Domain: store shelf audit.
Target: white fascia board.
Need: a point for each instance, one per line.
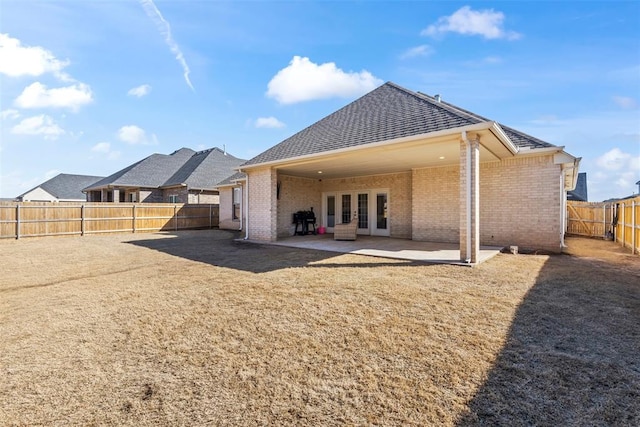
(503, 138)
(491, 126)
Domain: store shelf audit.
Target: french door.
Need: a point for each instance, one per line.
(371, 207)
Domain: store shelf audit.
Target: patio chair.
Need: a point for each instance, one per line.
(346, 231)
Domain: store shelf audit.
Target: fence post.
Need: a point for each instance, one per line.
(210, 216)
(17, 222)
(623, 226)
(82, 225)
(633, 226)
(133, 227)
(175, 216)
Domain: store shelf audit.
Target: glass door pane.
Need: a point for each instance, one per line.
(381, 211)
(363, 210)
(346, 208)
(331, 211)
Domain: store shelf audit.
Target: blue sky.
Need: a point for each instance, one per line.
(89, 87)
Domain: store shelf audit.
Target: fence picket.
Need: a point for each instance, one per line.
(591, 219)
(28, 219)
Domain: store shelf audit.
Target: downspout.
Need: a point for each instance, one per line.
(468, 201)
(563, 192)
(563, 210)
(246, 198)
(241, 206)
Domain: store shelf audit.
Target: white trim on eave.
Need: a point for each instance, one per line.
(491, 126)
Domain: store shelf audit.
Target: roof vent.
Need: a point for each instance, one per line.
(438, 98)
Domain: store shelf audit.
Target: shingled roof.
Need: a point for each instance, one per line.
(580, 192)
(386, 113)
(197, 170)
(205, 169)
(66, 186)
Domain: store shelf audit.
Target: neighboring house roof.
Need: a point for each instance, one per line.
(65, 186)
(205, 169)
(386, 113)
(151, 172)
(233, 179)
(580, 192)
(196, 170)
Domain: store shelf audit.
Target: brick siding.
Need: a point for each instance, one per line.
(262, 204)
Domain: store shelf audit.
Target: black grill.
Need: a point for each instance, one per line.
(305, 222)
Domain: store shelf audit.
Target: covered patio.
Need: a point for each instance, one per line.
(386, 247)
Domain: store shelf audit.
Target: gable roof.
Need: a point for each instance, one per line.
(205, 169)
(66, 186)
(196, 170)
(149, 172)
(386, 113)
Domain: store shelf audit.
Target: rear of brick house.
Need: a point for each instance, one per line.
(409, 166)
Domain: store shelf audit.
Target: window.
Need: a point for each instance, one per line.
(132, 197)
(237, 197)
(173, 198)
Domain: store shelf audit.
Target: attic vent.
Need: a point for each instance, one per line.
(438, 98)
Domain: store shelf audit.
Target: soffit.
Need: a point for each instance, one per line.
(393, 158)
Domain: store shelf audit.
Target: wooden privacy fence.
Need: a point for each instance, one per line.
(618, 220)
(30, 220)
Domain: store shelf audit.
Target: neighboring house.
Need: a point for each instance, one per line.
(580, 192)
(184, 176)
(410, 166)
(61, 188)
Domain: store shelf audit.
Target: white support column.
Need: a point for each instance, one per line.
(469, 198)
(475, 200)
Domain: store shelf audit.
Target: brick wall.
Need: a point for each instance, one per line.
(297, 194)
(520, 203)
(436, 207)
(181, 192)
(204, 197)
(262, 204)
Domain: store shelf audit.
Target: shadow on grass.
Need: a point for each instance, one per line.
(572, 356)
(220, 248)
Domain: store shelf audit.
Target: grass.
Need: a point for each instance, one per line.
(193, 328)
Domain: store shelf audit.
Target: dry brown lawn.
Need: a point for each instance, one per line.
(193, 328)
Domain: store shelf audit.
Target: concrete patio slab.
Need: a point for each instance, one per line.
(386, 247)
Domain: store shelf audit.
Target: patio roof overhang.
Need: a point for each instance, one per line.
(433, 149)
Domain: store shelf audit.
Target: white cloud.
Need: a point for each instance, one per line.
(17, 60)
(422, 50)
(38, 125)
(37, 95)
(9, 114)
(303, 80)
(616, 174)
(492, 60)
(614, 160)
(135, 135)
(486, 23)
(139, 91)
(105, 148)
(101, 147)
(165, 29)
(268, 122)
(625, 102)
